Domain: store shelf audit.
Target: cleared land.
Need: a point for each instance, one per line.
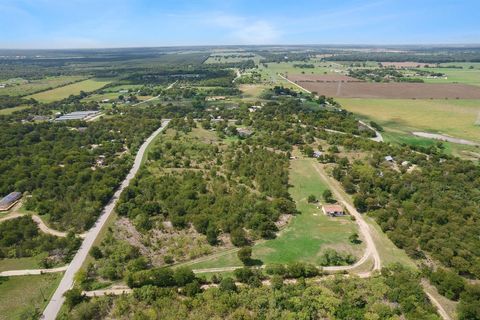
(21, 87)
(307, 235)
(456, 118)
(12, 110)
(392, 90)
(65, 91)
(26, 295)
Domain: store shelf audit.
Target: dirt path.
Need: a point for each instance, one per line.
(41, 225)
(170, 86)
(29, 272)
(371, 249)
(441, 137)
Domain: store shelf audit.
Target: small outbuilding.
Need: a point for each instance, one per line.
(333, 210)
(389, 159)
(9, 200)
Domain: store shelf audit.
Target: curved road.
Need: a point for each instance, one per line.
(53, 307)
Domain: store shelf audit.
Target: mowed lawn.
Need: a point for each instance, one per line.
(22, 263)
(457, 118)
(307, 235)
(22, 294)
(64, 92)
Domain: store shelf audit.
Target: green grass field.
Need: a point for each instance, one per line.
(12, 110)
(22, 263)
(64, 92)
(25, 295)
(307, 235)
(465, 75)
(22, 87)
(452, 117)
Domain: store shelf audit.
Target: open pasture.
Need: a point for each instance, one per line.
(457, 118)
(65, 91)
(21, 87)
(21, 297)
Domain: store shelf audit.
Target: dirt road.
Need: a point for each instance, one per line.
(170, 86)
(53, 307)
(29, 272)
(371, 249)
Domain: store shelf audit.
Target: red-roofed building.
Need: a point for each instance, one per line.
(333, 210)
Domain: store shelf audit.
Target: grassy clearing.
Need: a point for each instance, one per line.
(452, 117)
(26, 294)
(64, 92)
(12, 110)
(22, 263)
(389, 253)
(307, 235)
(465, 75)
(21, 87)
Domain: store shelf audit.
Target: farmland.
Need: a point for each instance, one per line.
(65, 91)
(457, 118)
(21, 87)
(368, 90)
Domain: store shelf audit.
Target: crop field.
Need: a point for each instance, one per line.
(24, 295)
(392, 90)
(308, 234)
(66, 91)
(458, 118)
(21, 87)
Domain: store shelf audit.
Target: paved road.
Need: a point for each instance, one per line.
(53, 307)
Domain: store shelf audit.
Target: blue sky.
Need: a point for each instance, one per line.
(128, 23)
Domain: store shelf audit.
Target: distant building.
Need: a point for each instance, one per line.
(215, 98)
(78, 115)
(2, 85)
(317, 154)
(9, 200)
(389, 159)
(333, 210)
(254, 108)
(105, 100)
(244, 132)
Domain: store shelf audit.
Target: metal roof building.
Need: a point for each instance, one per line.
(9, 200)
(78, 115)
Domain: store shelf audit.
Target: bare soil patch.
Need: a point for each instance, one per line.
(392, 90)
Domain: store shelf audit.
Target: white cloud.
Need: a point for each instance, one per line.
(245, 30)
